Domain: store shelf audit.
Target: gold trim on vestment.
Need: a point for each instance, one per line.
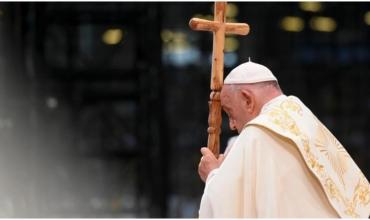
(329, 161)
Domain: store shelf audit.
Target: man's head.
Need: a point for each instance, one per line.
(246, 89)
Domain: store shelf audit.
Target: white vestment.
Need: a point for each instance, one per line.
(285, 163)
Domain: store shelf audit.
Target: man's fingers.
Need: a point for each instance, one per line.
(208, 162)
(221, 158)
(205, 151)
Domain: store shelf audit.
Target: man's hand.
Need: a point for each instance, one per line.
(208, 162)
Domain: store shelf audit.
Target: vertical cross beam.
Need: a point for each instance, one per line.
(219, 29)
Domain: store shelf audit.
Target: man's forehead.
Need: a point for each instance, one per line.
(228, 89)
(225, 94)
(224, 91)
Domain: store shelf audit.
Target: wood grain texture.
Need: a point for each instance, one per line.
(219, 29)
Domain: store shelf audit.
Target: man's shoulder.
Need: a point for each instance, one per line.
(253, 136)
(255, 131)
(258, 142)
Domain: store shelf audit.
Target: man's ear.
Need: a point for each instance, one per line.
(248, 99)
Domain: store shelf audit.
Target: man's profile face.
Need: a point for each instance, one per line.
(231, 102)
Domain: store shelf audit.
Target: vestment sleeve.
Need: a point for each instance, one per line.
(231, 192)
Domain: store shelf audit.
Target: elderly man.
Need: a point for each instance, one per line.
(285, 162)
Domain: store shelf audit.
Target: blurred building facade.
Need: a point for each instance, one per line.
(104, 105)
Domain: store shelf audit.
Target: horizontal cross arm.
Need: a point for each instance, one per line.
(203, 25)
(237, 28)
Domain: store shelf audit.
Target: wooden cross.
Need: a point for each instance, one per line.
(219, 29)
